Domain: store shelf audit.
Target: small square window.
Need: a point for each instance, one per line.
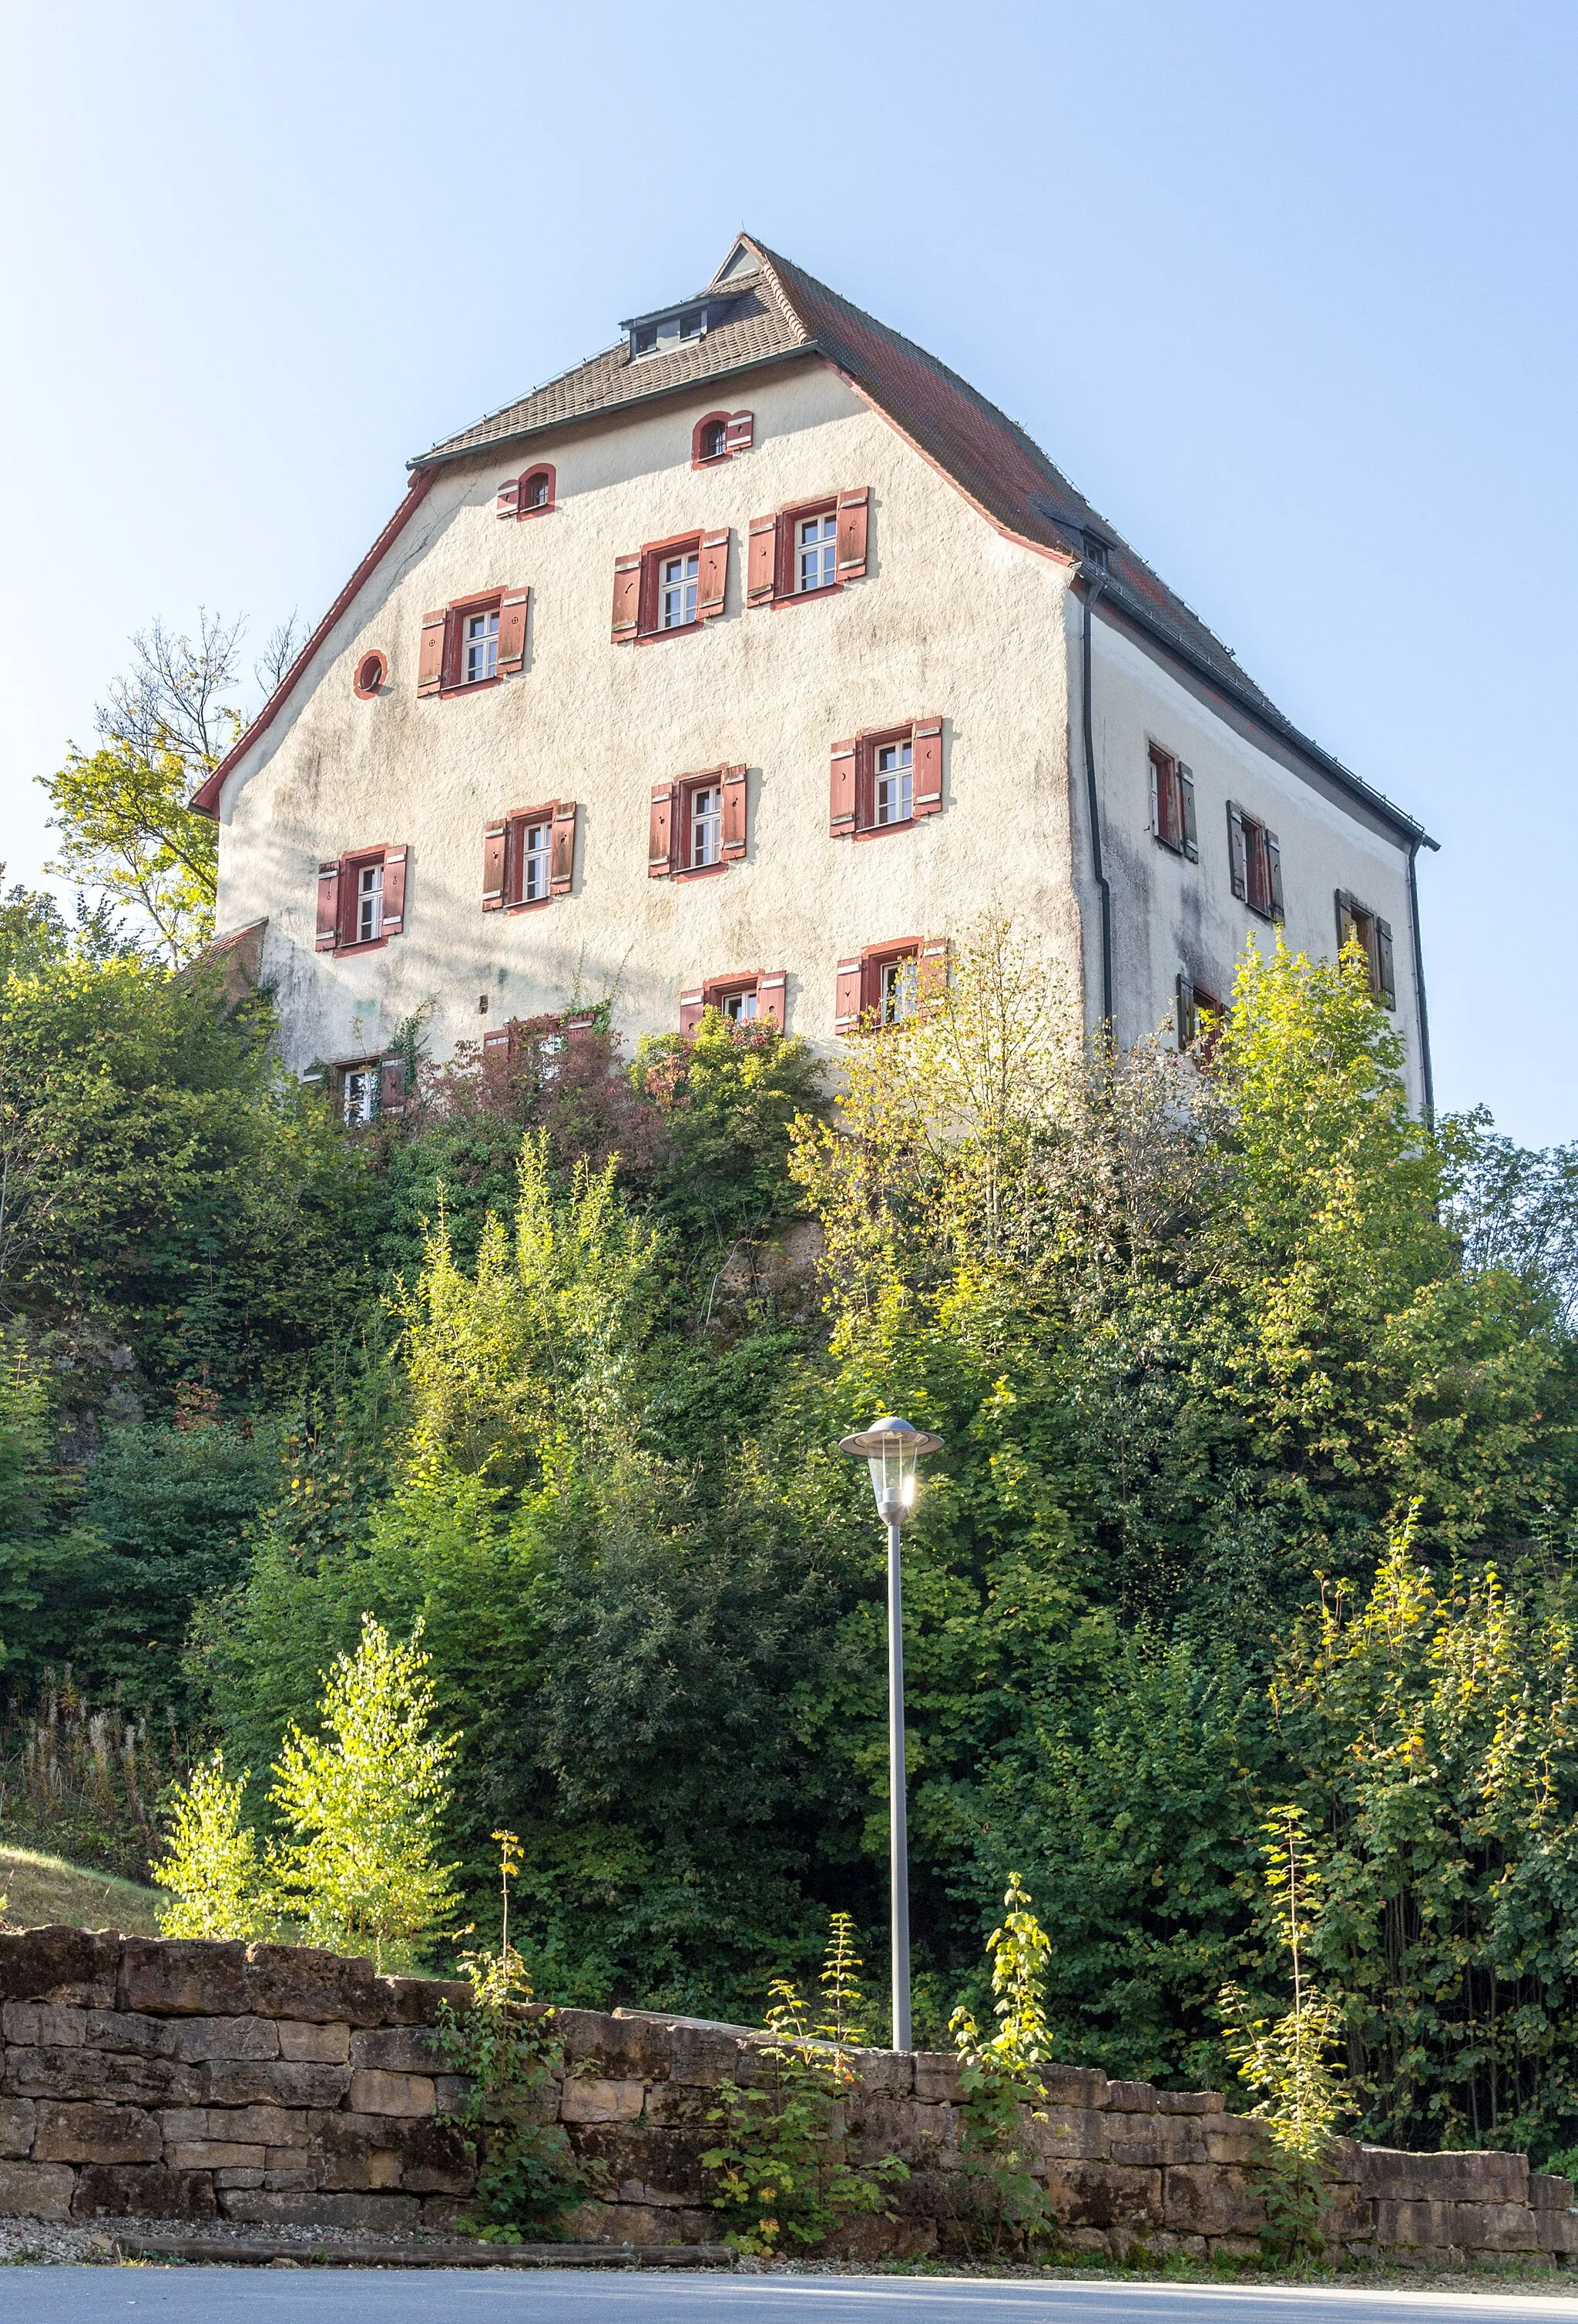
(479, 647)
(369, 903)
(536, 858)
(893, 787)
(677, 587)
(359, 1093)
(538, 490)
(740, 1007)
(815, 552)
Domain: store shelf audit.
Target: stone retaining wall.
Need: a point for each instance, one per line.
(272, 2086)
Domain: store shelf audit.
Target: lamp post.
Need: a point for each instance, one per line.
(891, 1448)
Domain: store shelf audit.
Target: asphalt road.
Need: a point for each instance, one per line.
(209, 2295)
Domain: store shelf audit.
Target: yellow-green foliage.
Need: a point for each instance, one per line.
(210, 1869)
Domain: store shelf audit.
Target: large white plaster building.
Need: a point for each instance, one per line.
(741, 663)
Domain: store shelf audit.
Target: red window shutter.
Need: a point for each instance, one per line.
(851, 535)
(391, 1085)
(1385, 973)
(762, 571)
(849, 999)
(497, 1044)
(431, 662)
(627, 598)
(561, 861)
(328, 906)
(741, 431)
(508, 502)
(926, 756)
(660, 833)
(931, 978)
(841, 797)
(1274, 875)
(772, 998)
(495, 839)
(512, 629)
(712, 575)
(734, 811)
(394, 866)
(691, 1005)
(1238, 855)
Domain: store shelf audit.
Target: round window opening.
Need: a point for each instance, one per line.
(371, 673)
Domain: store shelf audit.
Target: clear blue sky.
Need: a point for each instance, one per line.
(1287, 291)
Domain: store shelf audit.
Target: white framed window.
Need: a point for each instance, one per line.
(538, 490)
(894, 794)
(815, 552)
(479, 642)
(535, 852)
(369, 903)
(359, 1096)
(898, 989)
(706, 823)
(676, 584)
(740, 1008)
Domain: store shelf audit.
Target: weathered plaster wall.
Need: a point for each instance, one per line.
(272, 2086)
(953, 619)
(1169, 913)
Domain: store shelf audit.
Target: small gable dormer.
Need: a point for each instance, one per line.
(666, 329)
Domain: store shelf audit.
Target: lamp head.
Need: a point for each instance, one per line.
(890, 1449)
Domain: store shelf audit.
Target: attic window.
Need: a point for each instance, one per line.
(656, 332)
(644, 339)
(1095, 551)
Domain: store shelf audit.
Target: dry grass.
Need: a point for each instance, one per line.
(38, 1888)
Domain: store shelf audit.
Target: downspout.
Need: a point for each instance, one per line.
(1093, 590)
(1419, 988)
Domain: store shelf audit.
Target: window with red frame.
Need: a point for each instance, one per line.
(528, 857)
(529, 494)
(809, 551)
(719, 436)
(887, 983)
(696, 823)
(473, 642)
(1172, 804)
(1197, 1016)
(1357, 924)
(1254, 864)
(886, 779)
(670, 587)
(759, 998)
(361, 898)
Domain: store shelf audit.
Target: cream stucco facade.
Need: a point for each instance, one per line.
(958, 616)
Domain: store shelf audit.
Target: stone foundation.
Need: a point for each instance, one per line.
(269, 2085)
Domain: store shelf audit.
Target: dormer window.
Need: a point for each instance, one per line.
(712, 441)
(643, 339)
(653, 335)
(692, 326)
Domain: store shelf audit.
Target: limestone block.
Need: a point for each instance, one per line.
(238, 2178)
(936, 2075)
(196, 1978)
(1189, 2102)
(595, 2102)
(111, 2190)
(1103, 2195)
(1556, 2231)
(660, 2166)
(258, 2126)
(1073, 2085)
(295, 2173)
(434, 2160)
(1495, 2227)
(400, 2093)
(673, 2105)
(236, 2082)
(1413, 2222)
(414, 2000)
(1465, 2178)
(1066, 2134)
(303, 2044)
(1211, 2198)
(1547, 2192)
(637, 2223)
(1131, 2097)
(265, 2207)
(17, 2125)
(211, 2154)
(44, 2025)
(1155, 2138)
(398, 2049)
(452, 2092)
(96, 2133)
(626, 2048)
(354, 2151)
(898, 2126)
(199, 2039)
(1232, 2138)
(111, 2077)
(184, 2123)
(57, 1964)
(886, 2073)
(37, 2190)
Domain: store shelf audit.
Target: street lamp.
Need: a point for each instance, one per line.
(891, 1448)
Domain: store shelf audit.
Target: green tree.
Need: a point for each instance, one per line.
(365, 1801)
(210, 1866)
